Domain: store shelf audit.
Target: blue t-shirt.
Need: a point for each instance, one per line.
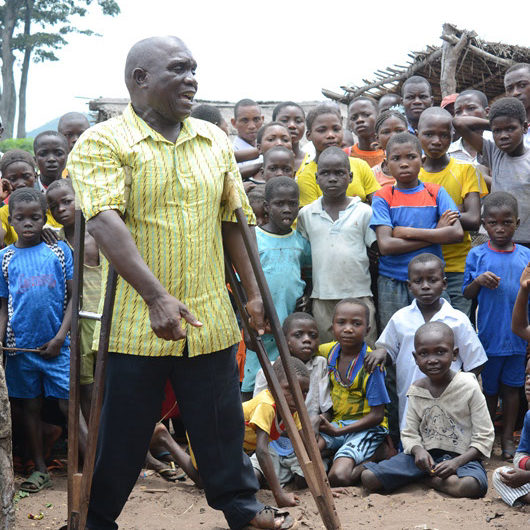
(419, 207)
(524, 442)
(495, 306)
(33, 280)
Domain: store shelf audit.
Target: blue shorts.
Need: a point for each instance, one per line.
(28, 375)
(359, 446)
(401, 470)
(506, 369)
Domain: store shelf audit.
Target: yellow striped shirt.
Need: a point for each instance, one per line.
(173, 198)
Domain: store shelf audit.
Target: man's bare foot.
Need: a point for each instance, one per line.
(272, 518)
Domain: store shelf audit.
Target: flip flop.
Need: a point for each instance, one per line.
(36, 482)
(171, 475)
(270, 514)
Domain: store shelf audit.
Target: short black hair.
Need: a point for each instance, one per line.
(277, 149)
(499, 199)
(416, 80)
(482, 98)
(16, 155)
(256, 194)
(353, 301)
(509, 107)
(70, 116)
(370, 100)
(434, 325)
(333, 151)
(390, 113)
(283, 105)
(207, 113)
(60, 183)
(299, 367)
(27, 195)
(426, 257)
(244, 103)
(49, 133)
(293, 317)
(263, 128)
(324, 108)
(435, 111)
(518, 66)
(391, 95)
(279, 182)
(403, 138)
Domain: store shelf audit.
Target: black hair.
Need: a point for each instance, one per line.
(364, 98)
(391, 94)
(72, 115)
(256, 194)
(16, 155)
(499, 199)
(483, 99)
(416, 80)
(244, 103)
(27, 195)
(263, 128)
(60, 183)
(207, 113)
(279, 182)
(319, 110)
(283, 105)
(390, 113)
(509, 107)
(518, 66)
(49, 133)
(277, 149)
(426, 257)
(299, 367)
(353, 301)
(435, 111)
(403, 138)
(333, 151)
(434, 325)
(293, 317)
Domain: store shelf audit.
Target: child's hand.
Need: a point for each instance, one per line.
(424, 460)
(51, 349)
(6, 190)
(50, 236)
(448, 218)
(489, 280)
(373, 358)
(285, 499)
(515, 478)
(525, 278)
(446, 468)
(327, 428)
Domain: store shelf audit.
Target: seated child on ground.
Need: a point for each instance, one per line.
(36, 282)
(448, 429)
(285, 257)
(359, 424)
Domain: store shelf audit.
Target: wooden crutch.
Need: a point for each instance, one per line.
(305, 446)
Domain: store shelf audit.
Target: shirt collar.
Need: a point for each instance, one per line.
(442, 312)
(318, 205)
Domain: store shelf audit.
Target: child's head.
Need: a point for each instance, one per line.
(281, 202)
(334, 173)
(292, 116)
(301, 333)
(388, 101)
(72, 125)
(426, 278)
(508, 124)
(324, 126)
(362, 113)
(387, 124)
(347, 138)
(417, 96)
(247, 120)
(403, 158)
(435, 131)
(212, 114)
(272, 134)
(500, 217)
(51, 150)
(302, 374)
(61, 201)
(278, 161)
(434, 349)
(472, 103)
(351, 322)
(18, 168)
(256, 198)
(517, 83)
(27, 215)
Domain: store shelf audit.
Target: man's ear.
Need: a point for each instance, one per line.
(455, 354)
(140, 76)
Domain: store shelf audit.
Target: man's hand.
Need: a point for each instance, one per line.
(489, 280)
(52, 348)
(327, 428)
(525, 278)
(448, 218)
(374, 358)
(446, 468)
(423, 460)
(165, 314)
(256, 313)
(514, 477)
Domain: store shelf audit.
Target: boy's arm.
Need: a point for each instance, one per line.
(372, 419)
(471, 128)
(281, 497)
(520, 324)
(486, 279)
(470, 212)
(3, 319)
(448, 467)
(390, 243)
(441, 235)
(243, 155)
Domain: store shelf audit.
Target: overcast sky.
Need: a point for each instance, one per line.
(276, 50)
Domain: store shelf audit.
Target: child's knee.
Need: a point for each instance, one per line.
(467, 487)
(370, 481)
(340, 472)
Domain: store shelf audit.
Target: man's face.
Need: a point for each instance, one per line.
(517, 85)
(416, 98)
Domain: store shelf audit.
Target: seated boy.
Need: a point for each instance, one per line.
(448, 429)
(359, 424)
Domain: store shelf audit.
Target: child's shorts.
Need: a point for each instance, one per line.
(509, 495)
(29, 375)
(506, 369)
(401, 470)
(285, 467)
(88, 355)
(358, 446)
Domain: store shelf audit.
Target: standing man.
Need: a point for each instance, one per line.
(517, 85)
(155, 187)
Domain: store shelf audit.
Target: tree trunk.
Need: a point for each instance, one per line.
(21, 128)
(7, 483)
(450, 55)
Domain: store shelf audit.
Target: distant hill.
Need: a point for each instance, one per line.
(50, 126)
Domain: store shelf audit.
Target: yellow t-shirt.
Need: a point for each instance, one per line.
(458, 179)
(363, 182)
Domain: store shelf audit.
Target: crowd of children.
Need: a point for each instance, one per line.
(399, 266)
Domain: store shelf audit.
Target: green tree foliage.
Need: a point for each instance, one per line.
(17, 143)
(35, 29)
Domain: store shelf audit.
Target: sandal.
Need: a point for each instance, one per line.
(169, 474)
(270, 514)
(36, 482)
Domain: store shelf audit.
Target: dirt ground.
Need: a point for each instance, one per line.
(183, 506)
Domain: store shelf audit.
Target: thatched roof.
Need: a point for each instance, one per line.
(480, 65)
